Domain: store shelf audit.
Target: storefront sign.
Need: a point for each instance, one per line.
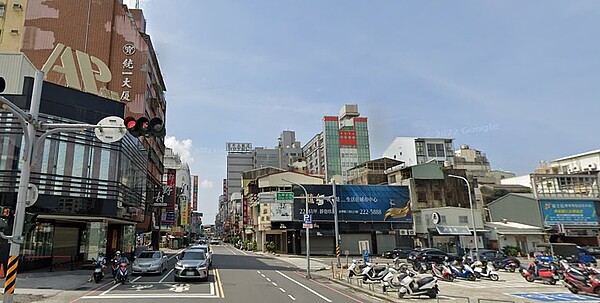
(569, 212)
(91, 70)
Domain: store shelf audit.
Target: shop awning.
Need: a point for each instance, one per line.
(453, 230)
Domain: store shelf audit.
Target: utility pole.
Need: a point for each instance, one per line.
(110, 129)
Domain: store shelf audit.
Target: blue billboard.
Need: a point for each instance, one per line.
(569, 212)
(365, 203)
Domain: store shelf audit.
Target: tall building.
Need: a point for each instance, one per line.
(175, 220)
(415, 150)
(100, 48)
(343, 144)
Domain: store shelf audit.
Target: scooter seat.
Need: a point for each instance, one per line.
(424, 281)
(379, 268)
(577, 276)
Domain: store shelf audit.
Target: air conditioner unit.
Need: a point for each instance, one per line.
(17, 6)
(14, 31)
(411, 232)
(592, 166)
(403, 232)
(575, 168)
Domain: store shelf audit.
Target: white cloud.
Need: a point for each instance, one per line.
(206, 184)
(182, 148)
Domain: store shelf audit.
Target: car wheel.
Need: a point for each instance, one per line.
(393, 256)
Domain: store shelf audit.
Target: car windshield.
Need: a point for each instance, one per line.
(149, 255)
(202, 248)
(193, 255)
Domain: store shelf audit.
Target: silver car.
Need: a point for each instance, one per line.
(149, 261)
(191, 264)
(206, 249)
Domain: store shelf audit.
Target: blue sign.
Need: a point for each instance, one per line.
(358, 203)
(568, 212)
(307, 219)
(374, 203)
(556, 297)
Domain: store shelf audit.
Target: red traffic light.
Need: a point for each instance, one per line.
(145, 127)
(4, 212)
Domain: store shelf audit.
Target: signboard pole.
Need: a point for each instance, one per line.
(307, 228)
(335, 219)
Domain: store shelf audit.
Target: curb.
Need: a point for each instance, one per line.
(365, 291)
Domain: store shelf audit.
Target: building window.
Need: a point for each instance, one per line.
(418, 219)
(437, 195)
(392, 179)
(420, 148)
(435, 150)
(463, 219)
(439, 148)
(422, 196)
(1, 11)
(430, 150)
(442, 219)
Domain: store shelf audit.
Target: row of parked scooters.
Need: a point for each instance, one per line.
(398, 277)
(577, 277)
(421, 277)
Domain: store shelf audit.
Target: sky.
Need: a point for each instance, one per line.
(517, 80)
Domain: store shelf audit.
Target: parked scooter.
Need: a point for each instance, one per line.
(421, 266)
(416, 285)
(463, 271)
(374, 273)
(485, 269)
(99, 266)
(508, 264)
(580, 281)
(536, 271)
(442, 271)
(356, 269)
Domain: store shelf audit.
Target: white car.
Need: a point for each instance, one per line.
(150, 261)
(206, 249)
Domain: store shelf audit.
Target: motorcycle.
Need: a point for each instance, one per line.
(442, 271)
(466, 272)
(98, 270)
(356, 269)
(508, 264)
(374, 273)
(577, 281)
(421, 266)
(409, 283)
(537, 272)
(486, 270)
(122, 273)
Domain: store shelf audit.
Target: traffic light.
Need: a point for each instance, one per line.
(143, 126)
(29, 223)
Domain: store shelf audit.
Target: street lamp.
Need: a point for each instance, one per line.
(333, 201)
(307, 229)
(472, 212)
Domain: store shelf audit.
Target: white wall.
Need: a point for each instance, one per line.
(524, 180)
(402, 149)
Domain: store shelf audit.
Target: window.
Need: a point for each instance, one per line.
(435, 150)
(420, 148)
(437, 195)
(430, 150)
(392, 179)
(442, 219)
(418, 219)
(439, 148)
(422, 196)
(463, 219)
(1, 10)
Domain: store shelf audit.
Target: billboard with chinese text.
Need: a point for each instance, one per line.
(569, 212)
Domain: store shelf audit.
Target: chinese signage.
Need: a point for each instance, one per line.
(170, 197)
(195, 194)
(281, 211)
(127, 72)
(245, 218)
(239, 147)
(378, 203)
(569, 212)
(285, 196)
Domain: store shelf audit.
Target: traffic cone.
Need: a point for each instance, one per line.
(1, 270)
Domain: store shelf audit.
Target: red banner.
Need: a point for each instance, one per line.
(171, 195)
(245, 211)
(195, 194)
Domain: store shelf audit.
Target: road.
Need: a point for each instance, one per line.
(236, 276)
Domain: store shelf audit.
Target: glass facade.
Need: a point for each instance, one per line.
(38, 242)
(94, 240)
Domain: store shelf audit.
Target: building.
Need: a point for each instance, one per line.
(477, 166)
(343, 144)
(71, 48)
(415, 150)
(372, 172)
(175, 220)
(91, 194)
(578, 163)
(565, 205)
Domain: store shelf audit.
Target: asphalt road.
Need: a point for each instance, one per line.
(236, 276)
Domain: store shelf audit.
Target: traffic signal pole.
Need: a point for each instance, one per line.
(30, 123)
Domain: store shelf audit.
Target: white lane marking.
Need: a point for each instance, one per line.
(292, 297)
(304, 286)
(268, 279)
(170, 271)
(231, 251)
(117, 285)
(274, 284)
(161, 296)
(258, 271)
(262, 275)
(282, 290)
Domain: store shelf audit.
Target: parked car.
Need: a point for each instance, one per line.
(191, 264)
(206, 249)
(401, 252)
(149, 261)
(432, 255)
(215, 241)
